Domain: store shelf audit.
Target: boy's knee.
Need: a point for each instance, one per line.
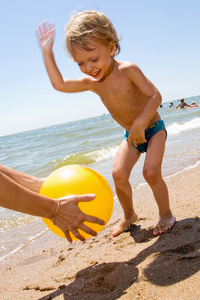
(119, 176)
(150, 176)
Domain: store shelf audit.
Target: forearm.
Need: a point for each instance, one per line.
(53, 71)
(27, 181)
(16, 197)
(149, 109)
(45, 34)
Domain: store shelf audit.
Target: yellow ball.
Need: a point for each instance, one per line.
(80, 180)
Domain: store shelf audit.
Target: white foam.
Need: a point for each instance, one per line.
(12, 252)
(177, 128)
(22, 246)
(104, 153)
(185, 169)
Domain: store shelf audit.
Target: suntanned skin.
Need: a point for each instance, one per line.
(20, 192)
(132, 100)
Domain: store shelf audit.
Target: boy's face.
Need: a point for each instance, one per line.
(98, 62)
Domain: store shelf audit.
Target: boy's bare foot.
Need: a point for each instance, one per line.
(165, 223)
(123, 225)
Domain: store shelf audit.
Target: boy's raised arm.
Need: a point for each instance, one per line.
(46, 33)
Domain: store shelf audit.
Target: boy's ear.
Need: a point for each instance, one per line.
(113, 48)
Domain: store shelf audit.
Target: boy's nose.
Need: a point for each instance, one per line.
(88, 68)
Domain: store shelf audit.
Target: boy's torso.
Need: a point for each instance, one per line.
(121, 97)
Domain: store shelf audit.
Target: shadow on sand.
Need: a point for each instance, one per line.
(175, 256)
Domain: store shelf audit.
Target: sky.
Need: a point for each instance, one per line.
(160, 36)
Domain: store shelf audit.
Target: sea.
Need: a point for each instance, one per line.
(92, 142)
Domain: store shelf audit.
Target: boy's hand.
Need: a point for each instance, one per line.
(136, 135)
(46, 32)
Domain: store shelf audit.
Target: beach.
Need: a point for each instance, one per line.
(37, 264)
(134, 265)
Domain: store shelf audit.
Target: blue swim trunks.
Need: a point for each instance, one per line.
(149, 132)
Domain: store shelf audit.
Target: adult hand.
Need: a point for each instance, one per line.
(46, 32)
(70, 218)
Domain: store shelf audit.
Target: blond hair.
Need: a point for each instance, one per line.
(90, 25)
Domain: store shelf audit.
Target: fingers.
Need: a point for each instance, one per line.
(136, 135)
(93, 219)
(79, 236)
(44, 28)
(74, 218)
(88, 230)
(85, 198)
(75, 233)
(130, 142)
(67, 235)
(51, 25)
(135, 141)
(79, 198)
(89, 218)
(85, 229)
(40, 30)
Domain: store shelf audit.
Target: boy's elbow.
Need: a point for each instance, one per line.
(56, 86)
(158, 97)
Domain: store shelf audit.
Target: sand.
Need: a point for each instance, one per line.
(134, 265)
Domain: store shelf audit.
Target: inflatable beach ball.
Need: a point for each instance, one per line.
(80, 180)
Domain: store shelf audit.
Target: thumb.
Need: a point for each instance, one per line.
(85, 198)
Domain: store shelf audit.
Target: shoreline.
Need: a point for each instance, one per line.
(39, 235)
(134, 265)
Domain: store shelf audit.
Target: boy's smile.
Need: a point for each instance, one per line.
(97, 62)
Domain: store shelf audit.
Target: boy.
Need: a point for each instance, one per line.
(129, 96)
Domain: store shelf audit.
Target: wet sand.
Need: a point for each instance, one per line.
(134, 265)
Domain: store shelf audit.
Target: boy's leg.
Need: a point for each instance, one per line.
(152, 174)
(124, 161)
(30, 182)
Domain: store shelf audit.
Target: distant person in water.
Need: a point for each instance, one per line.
(170, 105)
(193, 104)
(182, 104)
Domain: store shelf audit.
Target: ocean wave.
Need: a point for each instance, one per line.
(177, 128)
(23, 245)
(101, 154)
(87, 157)
(17, 221)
